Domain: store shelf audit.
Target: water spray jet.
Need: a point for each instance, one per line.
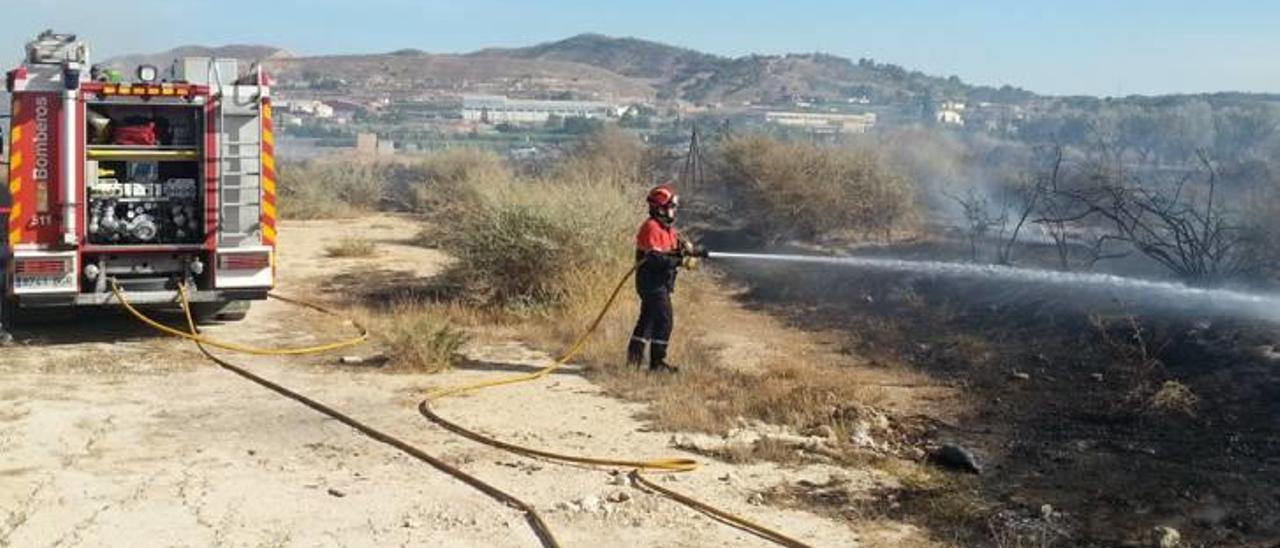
(1238, 303)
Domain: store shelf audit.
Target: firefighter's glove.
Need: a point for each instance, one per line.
(687, 249)
(689, 262)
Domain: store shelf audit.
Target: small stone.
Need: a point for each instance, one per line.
(727, 477)
(590, 504)
(1046, 511)
(336, 493)
(1166, 537)
(409, 524)
(252, 452)
(618, 496)
(1021, 376)
(563, 506)
(957, 458)
(618, 478)
(756, 499)
(351, 360)
(1097, 377)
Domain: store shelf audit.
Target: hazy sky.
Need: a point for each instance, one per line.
(1098, 47)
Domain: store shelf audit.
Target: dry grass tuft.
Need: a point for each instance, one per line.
(421, 339)
(352, 248)
(1175, 398)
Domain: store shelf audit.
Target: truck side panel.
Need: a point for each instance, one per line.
(34, 169)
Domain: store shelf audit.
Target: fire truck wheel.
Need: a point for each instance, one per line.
(8, 314)
(231, 311)
(234, 311)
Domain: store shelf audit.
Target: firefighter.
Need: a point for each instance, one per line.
(660, 251)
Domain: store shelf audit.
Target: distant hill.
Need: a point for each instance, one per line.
(662, 65)
(245, 53)
(701, 77)
(411, 72)
(599, 66)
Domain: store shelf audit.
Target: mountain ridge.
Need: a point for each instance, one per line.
(621, 67)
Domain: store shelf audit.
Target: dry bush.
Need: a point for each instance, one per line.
(420, 338)
(538, 245)
(331, 188)
(352, 248)
(343, 186)
(810, 190)
(610, 156)
(1173, 398)
(439, 182)
(554, 243)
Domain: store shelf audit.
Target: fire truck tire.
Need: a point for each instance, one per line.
(8, 313)
(234, 311)
(230, 311)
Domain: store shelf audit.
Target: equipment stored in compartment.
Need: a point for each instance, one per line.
(144, 213)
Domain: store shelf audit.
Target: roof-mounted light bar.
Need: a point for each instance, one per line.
(165, 90)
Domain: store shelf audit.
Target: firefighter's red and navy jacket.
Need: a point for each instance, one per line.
(657, 245)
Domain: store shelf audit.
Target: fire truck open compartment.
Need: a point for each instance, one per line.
(144, 185)
(148, 184)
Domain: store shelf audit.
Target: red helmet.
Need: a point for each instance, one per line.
(663, 195)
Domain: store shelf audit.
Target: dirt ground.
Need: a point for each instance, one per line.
(112, 436)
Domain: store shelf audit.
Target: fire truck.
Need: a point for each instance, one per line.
(146, 183)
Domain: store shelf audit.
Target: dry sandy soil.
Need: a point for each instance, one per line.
(111, 436)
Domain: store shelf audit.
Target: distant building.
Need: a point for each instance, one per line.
(498, 109)
(367, 143)
(386, 147)
(949, 117)
(950, 113)
(310, 108)
(823, 123)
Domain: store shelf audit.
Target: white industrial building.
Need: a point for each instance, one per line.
(822, 122)
(498, 109)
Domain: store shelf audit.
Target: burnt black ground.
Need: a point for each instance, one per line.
(1079, 432)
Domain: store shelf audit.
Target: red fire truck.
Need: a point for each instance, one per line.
(148, 183)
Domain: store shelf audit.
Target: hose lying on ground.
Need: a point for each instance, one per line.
(535, 521)
(197, 338)
(665, 465)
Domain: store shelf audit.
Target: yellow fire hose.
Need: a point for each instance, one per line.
(424, 407)
(536, 523)
(194, 336)
(665, 465)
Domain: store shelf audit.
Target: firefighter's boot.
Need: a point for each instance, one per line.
(635, 352)
(658, 360)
